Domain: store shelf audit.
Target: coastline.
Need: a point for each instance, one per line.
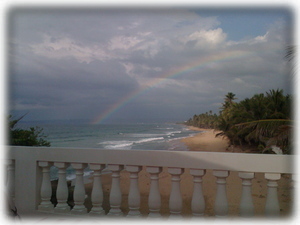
(205, 141)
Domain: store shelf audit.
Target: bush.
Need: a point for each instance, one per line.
(21, 137)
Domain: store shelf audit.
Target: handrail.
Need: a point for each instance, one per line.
(242, 162)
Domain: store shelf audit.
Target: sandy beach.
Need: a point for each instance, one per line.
(205, 141)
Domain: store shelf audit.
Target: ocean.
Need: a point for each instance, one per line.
(154, 136)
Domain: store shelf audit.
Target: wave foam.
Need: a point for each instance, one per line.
(173, 133)
(126, 144)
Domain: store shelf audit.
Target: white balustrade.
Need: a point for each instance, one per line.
(154, 200)
(198, 202)
(272, 204)
(97, 192)
(46, 188)
(62, 188)
(115, 197)
(221, 203)
(175, 203)
(36, 179)
(134, 193)
(246, 204)
(10, 184)
(79, 190)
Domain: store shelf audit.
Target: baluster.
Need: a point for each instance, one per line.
(221, 203)
(272, 204)
(246, 205)
(10, 185)
(62, 188)
(175, 203)
(46, 188)
(97, 192)
(79, 190)
(154, 200)
(134, 193)
(198, 203)
(115, 197)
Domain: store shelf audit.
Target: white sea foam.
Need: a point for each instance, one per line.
(148, 140)
(127, 144)
(173, 133)
(117, 144)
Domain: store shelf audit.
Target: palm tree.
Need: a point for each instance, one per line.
(290, 52)
(261, 120)
(276, 101)
(228, 103)
(270, 132)
(229, 98)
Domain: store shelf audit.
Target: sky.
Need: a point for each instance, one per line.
(112, 65)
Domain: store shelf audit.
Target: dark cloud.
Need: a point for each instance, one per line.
(79, 63)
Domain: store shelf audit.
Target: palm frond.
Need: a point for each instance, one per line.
(12, 123)
(270, 131)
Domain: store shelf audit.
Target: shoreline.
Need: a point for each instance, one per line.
(205, 141)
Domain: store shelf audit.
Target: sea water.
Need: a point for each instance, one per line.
(163, 136)
(154, 136)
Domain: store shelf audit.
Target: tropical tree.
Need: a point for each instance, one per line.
(228, 100)
(276, 132)
(206, 120)
(290, 52)
(263, 120)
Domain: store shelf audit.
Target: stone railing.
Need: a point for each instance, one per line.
(29, 186)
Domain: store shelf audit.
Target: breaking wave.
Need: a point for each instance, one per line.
(126, 144)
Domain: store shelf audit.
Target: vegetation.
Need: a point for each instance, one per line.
(263, 121)
(205, 120)
(21, 137)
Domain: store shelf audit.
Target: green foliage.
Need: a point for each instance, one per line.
(21, 137)
(205, 120)
(262, 120)
(268, 132)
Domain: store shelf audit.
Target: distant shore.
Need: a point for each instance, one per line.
(206, 141)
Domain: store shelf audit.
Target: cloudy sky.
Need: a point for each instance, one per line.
(108, 65)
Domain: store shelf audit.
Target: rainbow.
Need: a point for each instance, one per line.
(200, 62)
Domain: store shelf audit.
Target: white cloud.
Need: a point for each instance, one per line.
(261, 38)
(206, 38)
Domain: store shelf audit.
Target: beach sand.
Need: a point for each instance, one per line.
(204, 141)
(207, 141)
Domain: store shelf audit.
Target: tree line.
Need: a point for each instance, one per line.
(263, 121)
